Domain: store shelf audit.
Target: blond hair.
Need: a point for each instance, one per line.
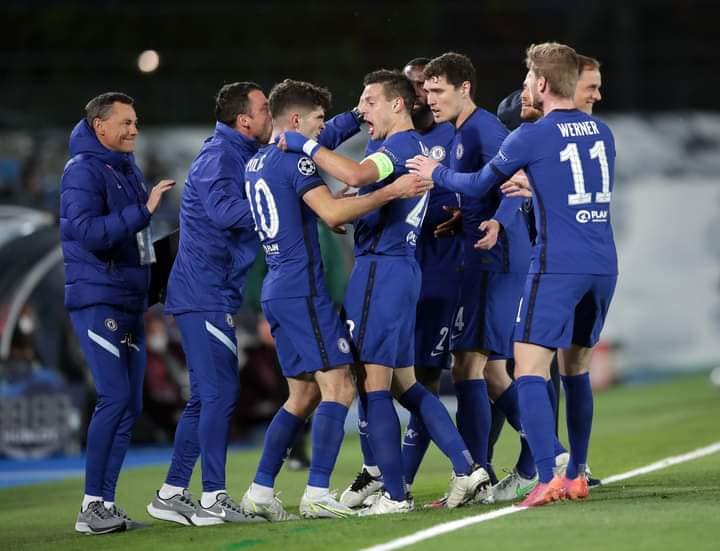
(557, 63)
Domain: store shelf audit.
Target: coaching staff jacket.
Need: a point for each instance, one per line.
(102, 207)
(218, 243)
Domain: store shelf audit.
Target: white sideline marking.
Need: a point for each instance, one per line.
(446, 527)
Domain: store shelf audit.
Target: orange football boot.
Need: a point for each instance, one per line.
(576, 488)
(545, 493)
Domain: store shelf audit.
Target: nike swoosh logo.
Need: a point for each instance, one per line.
(219, 515)
(434, 354)
(523, 490)
(332, 510)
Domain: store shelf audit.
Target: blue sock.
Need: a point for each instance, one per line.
(415, 444)
(508, 404)
(579, 403)
(367, 453)
(552, 394)
(537, 421)
(384, 432)
(474, 417)
(420, 401)
(328, 429)
(559, 448)
(279, 437)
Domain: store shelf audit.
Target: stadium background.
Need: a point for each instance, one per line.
(659, 95)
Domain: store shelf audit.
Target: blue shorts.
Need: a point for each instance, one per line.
(309, 335)
(486, 312)
(434, 316)
(558, 310)
(380, 304)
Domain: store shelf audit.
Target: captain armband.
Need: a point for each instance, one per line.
(383, 163)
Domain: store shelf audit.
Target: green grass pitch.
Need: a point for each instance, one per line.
(675, 508)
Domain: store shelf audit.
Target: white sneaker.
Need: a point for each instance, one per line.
(362, 487)
(325, 507)
(272, 510)
(514, 486)
(464, 488)
(561, 463)
(384, 505)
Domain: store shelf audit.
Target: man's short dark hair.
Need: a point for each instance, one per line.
(418, 62)
(394, 84)
(297, 93)
(232, 100)
(100, 106)
(456, 68)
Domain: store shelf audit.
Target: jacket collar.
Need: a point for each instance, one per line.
(83, 140)
(244, 143)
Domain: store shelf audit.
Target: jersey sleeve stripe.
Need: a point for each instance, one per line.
(311, 185)
(498, 172)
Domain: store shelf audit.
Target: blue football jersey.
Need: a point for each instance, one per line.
(394, 228)
(287, 227)
(569, 158)
(446, 252)
(476, 142)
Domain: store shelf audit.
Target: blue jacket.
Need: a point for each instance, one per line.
(102, 207)
(218, 243)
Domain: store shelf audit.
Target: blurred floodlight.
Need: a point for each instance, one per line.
(148, 61)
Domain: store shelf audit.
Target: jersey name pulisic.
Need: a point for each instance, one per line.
(394, 228)
(287, 227)
(569, 158)
(476, 142)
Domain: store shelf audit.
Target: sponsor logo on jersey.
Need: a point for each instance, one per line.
(305, 166)
(585, 216)
(111, 324)
(437, 153)
(411, 238)
(271, 248)
(229, 320)
(343, 345)
(459, 150)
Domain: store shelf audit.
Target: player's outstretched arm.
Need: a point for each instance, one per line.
(343, 168)
(474, 184)
(336, 211)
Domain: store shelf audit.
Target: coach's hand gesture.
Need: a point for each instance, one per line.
(156, 193)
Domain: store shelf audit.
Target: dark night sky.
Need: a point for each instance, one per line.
(657, 55)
